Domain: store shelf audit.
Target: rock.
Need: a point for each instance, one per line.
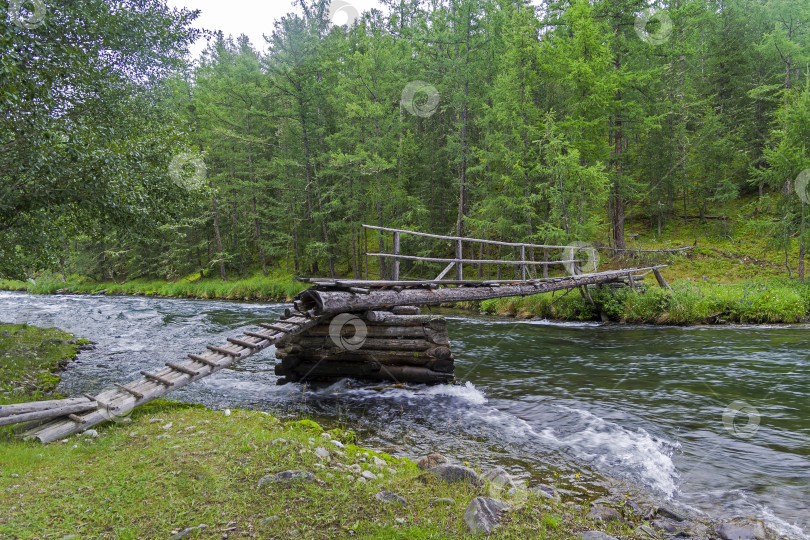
(442, 501)
(227, 412)
(483, 514)
(669, 514)
(55, 341)
(604, 514)
(287, 477)
(388, 496)
(431, 460)
(337, 443)
(186, 532)
(368, 475)
(596, 535)
(354, 467)
(455, 474)
(270, 519)
(90, 433)
(664, 525)
(546, 491)
(378, 462)
(322, 452)
(646, 532)
(743, 529)
(5, 333)
(499, 477)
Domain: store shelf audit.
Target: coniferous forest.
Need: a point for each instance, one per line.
(121, 156)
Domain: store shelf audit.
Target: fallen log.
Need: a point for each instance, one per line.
(54, 412)
(33, 406)
(326, 302)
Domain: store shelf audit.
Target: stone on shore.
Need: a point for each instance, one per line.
(744, 529)
(430, 461)
(389, 496)
(483, 514)
(596, 535)
(287, 477)
(455, 474)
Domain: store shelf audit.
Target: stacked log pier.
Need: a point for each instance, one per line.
(400, 345)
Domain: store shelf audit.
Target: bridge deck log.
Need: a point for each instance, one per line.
(329, 302)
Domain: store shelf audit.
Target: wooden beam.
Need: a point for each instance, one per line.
(395, 272)
(332, 302)
(463, 238)
(458, 260)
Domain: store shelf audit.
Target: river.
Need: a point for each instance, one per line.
(713, 420)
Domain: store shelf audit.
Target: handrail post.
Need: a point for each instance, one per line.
(523, 263)
(545, 259)
(459, 256)
(395, 274)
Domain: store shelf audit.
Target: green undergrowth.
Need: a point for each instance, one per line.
(173, 467)
(771, 301)
(30, 359)
(277, 287)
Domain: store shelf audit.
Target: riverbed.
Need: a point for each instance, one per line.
(714, 420)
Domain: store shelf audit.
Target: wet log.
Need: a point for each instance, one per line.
(23, 408)
(379, 344)
(54, 412)
(375, 331)
(325, 302)
(386, 318)
(406, 310)
(336, 370)
(363, 355)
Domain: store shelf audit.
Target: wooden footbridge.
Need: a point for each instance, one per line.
(362, 328)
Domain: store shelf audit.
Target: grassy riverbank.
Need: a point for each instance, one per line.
(176, 466)
(30, 359)
(273, 288)
(773, 301)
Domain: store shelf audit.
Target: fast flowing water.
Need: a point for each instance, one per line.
(712, 420)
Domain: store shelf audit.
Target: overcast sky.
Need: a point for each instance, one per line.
(255, 17)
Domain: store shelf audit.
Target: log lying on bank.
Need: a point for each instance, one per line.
(400, 345)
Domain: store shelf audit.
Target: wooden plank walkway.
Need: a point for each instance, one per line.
(123, 398)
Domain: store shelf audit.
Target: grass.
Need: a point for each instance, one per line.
(30, 359)
(178, 466)
(276, 287)
(770, 301)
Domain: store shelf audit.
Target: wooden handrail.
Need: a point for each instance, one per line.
(463, 238)
(471, 261)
